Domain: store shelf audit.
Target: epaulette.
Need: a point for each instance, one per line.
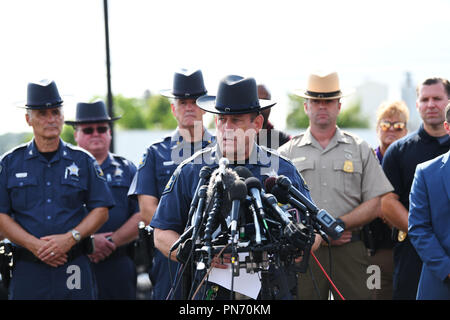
(124, 160)
(78, 149)
(275, 153)
(353, 136)
(195, 155)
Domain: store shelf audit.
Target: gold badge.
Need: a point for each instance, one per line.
(348, 166)
(401, 235)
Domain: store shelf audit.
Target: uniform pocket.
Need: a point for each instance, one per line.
(351, 175)
(303, 165)
(119, 190)
(72, 193)
(24, 193)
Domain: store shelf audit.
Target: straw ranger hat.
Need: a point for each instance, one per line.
(323, 86)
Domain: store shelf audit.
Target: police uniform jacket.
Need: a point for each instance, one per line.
(172, 212)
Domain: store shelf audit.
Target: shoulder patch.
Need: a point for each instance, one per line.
(99, 171)
(143, 160)
(169, 186)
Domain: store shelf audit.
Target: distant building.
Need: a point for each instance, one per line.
(370, 95)
(409, 95)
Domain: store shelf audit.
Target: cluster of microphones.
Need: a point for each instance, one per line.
(231, 208)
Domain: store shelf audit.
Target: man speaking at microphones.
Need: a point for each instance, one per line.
(238, 119)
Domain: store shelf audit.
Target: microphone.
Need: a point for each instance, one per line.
(238, 192)
(270, 200)
(243, 172)
(325, 220)
(254, 187)
(285, 183)
(284, 197)
(197, 218)
(182, 238)
(204, 174)
(223, 164)
(296, 236)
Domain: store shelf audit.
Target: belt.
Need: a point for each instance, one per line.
(77, 250)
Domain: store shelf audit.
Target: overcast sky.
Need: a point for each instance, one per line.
(276, 42)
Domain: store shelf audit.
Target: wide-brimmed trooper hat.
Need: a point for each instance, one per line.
(91, 112)
(235, 95)
(323, 86)
(43, 95)
(187, 84)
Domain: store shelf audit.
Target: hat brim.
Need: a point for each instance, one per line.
(303, 94)
(169, 94)
(72, 123)
(208, 104)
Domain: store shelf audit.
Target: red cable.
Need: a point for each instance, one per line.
(329, 279)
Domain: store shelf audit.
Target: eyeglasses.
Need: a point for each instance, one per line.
(398, 126)
(90, 130)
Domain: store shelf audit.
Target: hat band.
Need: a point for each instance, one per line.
(237, 108)
(323, 94)
(187, 95)
(47, 105)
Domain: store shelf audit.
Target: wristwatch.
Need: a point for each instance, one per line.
(76, 235)
(341, 223)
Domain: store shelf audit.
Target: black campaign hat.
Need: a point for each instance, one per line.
(186, 84)
(236, 95)
(43, 95)
(91, 113)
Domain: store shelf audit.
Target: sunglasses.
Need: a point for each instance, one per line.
(90, 130)
(398, 126)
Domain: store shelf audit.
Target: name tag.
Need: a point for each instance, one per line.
(21, 174)
(168, 163)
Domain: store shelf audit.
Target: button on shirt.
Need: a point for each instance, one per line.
(172, 212)
(340, 177)
(51, 197)
(161, 160)
(119, 173)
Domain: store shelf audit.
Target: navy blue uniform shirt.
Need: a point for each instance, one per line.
(119, 173)
(155, 169)
(47, 197)
(161, 160)
(173, 208)
(51, 197)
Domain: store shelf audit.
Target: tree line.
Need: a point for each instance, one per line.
(152, 112)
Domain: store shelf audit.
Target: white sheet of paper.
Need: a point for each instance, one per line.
(247, 283)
